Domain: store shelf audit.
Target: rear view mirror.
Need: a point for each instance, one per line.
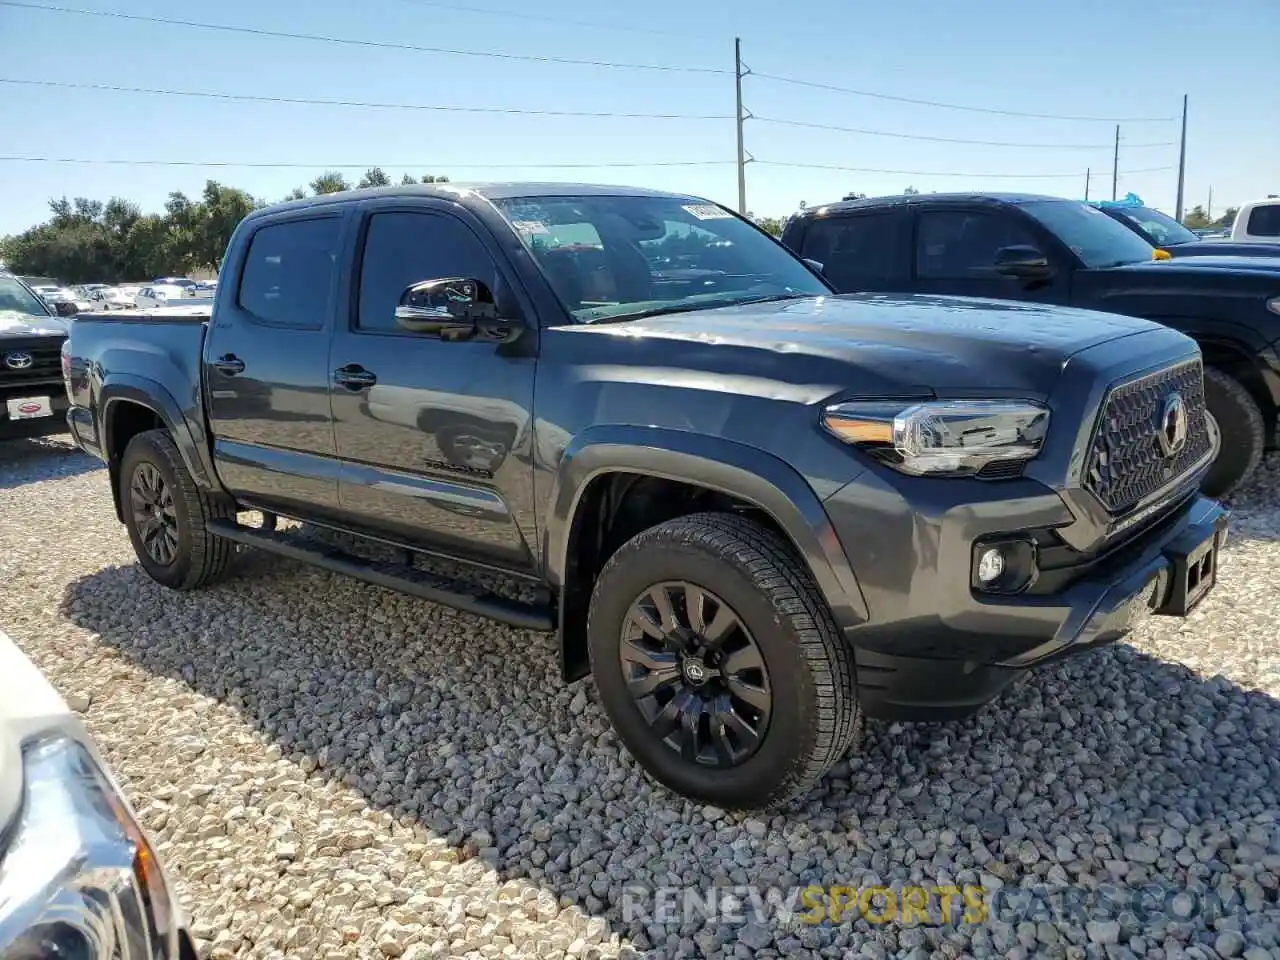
(454, 308)
(1024, 262)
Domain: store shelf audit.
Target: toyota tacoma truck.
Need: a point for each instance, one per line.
(752, 510)
(33, 402)
(1053, 251)
(1163, 231)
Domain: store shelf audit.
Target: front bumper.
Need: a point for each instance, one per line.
(936, 648)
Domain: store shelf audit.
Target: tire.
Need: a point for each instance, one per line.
(813, 718)
(198, 558)
(1242, 432)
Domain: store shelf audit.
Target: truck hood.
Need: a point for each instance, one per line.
(1223, 248)
(14, 324)
(879, 345)
(1199, 266)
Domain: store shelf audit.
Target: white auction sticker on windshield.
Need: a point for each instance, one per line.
(530, 228)
(707, 211)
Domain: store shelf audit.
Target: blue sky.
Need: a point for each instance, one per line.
(1098, 58)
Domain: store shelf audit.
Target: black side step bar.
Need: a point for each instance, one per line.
(458, 594)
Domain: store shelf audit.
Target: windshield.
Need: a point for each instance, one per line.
(618, 258)
(1092, 235)
(17, 299)
(1163, 228)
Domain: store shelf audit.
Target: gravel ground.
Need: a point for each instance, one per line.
(333, 770)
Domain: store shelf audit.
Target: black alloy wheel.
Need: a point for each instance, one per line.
(154, 515)
(696, 674)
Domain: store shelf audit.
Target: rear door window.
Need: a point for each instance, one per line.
(289, 271)
(858, 251)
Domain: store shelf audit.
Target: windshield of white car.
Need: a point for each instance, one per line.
(1093, 236)
(17, 299)
(622, 257)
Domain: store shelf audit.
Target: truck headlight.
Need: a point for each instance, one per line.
(77, 876)
(941, 437)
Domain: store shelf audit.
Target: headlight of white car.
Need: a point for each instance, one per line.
(77, 876)
(941, 437)
(1274, 304)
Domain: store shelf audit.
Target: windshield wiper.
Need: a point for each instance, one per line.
(691, 307)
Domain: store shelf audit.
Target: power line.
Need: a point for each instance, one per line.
(348, 41)
(917, 136)
(363, 166)
(951, 106)
(946, 173)
(112, 88)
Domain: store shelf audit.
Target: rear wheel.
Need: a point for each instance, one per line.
(1241, 428)
(719, 664)
(165, 514)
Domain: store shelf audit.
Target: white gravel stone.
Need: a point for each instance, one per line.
(334, 771)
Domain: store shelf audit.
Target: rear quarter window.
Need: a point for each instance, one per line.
(1264, 221)
(289, 270)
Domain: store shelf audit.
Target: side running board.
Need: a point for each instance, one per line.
(459, 594)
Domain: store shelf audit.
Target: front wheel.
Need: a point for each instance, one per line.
(719, 664)
(1242, 432)
(165, 514)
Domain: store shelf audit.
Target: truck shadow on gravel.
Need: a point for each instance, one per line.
(44, 458)
(1111, 767)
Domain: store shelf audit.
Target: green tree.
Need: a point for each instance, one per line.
(1228, 218)
(331, 181)
(406, 180)
(374, 177)
(297, 193)
(1196, 219)
(771, 225)
(216, 217)
(910, 192)
(433, 178)
(853, 196)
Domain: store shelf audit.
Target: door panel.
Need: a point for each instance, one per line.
(955, 254)
(433, 435)
(267, 369)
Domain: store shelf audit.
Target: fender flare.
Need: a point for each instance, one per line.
(150, 394)
(732, 468)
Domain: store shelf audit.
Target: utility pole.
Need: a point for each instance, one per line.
(1209, 212)
(1087, 172)
(1115, 164)
(742, 153)
(1182, 162)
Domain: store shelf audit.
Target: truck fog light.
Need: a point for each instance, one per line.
(990, 565)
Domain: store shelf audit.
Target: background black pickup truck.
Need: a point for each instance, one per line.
(33, 402)
(751, 509)
(1048, 250)
(1163, 231)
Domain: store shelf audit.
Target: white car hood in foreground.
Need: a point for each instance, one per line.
(28, 705)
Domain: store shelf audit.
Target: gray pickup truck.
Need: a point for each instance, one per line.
(753, 510)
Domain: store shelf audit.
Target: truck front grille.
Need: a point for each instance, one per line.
(23, 362)
(1127, 462)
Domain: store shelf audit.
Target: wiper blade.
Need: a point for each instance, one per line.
(691, 307)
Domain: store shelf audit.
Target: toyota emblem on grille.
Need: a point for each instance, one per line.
(18, 361)
(1173, 425)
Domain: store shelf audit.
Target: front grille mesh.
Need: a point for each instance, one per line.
(46, 364)
(1125, 463)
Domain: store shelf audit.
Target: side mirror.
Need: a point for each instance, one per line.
(815, 265)
(1024, 262)
(454, 308)
(65, 308)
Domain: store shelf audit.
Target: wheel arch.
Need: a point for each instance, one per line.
(129, 405)
(744, 475)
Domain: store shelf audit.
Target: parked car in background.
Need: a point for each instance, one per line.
(33, 401)
(752, 510)
(79, 878)
(159, 295)
(119, 298)
(1054, 251)
(173, 282)
(1163, 231)
(1258, 222)
(203, 288)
